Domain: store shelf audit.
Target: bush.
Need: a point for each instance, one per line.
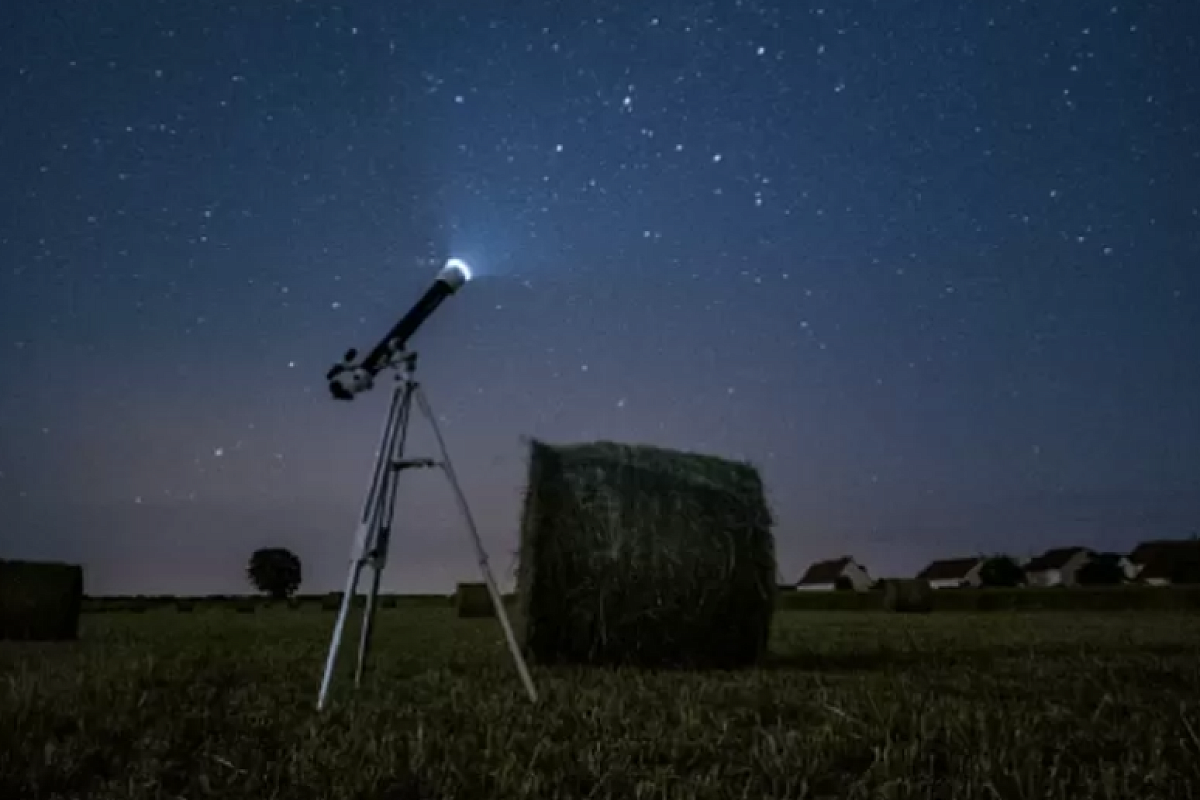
(643, 556)
(40, 601)
(908, 596)
(1104, 569)
(1001, 572)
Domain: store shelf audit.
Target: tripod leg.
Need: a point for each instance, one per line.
(497, 601)
(368, 625)
(339, 626)
(366, 533)
(381, 521)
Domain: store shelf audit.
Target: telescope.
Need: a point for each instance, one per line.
(350, 377)
(372, 537)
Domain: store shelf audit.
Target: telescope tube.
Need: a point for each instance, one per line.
(348, 379)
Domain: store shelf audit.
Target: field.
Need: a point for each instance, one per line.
(853, 705)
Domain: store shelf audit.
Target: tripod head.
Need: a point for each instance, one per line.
(347, 378)
(351, 376)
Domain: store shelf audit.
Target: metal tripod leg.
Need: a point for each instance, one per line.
(368, 625)
(385, 511)
(480, 553)
(379, 497)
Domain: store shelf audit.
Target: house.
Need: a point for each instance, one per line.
(1163, 562)
(952, 573)
(823, 576)
(1057, 567)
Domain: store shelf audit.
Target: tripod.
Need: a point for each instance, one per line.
(374, 531)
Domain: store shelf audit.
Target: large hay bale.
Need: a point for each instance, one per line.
(644, 556)
(473, 600)
(40, 601)
(908, 596)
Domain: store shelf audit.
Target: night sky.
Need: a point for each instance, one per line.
(934, 267)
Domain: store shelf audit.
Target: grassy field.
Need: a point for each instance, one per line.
(853, 705)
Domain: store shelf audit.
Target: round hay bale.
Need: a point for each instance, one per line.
(40, 601)
(471, 600)
(909, 596)
(644, 557)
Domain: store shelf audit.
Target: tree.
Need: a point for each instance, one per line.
(1104, 569)
(276, 571)
(1186, 570)
(1001, 572)
(843, 584)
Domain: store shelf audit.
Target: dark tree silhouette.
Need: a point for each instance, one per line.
(1001, 572)
(843, 584)
(1103, 570)
(275, 571)
(1186, 570)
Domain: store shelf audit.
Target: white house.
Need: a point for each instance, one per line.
(952, 573)
(823, 576)
(1057, 567)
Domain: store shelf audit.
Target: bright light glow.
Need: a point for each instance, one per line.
(461, 266)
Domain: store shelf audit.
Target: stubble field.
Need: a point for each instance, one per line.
(852, 705)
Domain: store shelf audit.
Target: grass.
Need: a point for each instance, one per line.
(852, 705)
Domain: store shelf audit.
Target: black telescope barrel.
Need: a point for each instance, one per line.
(398, 336)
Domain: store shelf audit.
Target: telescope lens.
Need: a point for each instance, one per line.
(461, 266)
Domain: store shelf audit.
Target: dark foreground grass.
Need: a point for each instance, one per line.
(217, 704)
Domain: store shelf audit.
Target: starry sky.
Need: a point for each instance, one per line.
(934, 267)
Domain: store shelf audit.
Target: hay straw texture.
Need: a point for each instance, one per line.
(908, 596)
(40, 601)
(473, 600)
(641, 556)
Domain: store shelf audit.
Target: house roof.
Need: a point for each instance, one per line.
(826, 571)
(1056, 558)
(949, 569)
(1160, 558)
(1158, 549)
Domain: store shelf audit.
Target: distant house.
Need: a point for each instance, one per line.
(1129, 568)
(1057, 567)
(1162, 562)
(952, 573)
(823, 575)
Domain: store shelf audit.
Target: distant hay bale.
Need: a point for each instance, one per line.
(644, 556)
(471, 600)
(908, 596)
(40, 601)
